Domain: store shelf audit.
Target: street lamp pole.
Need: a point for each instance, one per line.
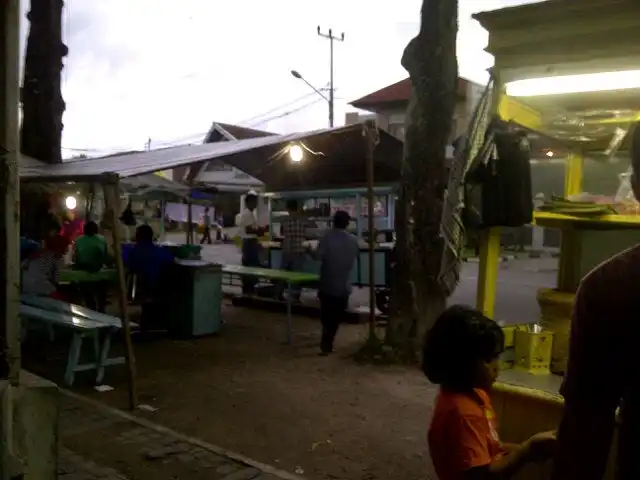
(329, 36)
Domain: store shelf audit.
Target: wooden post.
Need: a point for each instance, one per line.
(112, 200)
(189, 222)
(370, 134)
(10, 195)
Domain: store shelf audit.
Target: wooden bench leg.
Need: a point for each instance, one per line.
(72, 360)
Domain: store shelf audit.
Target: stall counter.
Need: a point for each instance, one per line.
(360, 273)
(527, 404)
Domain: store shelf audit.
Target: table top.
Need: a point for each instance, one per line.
(545, 387)
(292, 277)
(69, 275)
(609, 222)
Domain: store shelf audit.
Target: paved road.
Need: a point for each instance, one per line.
(518, 282)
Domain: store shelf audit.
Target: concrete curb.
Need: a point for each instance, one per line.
(236, 457)
(522, 255)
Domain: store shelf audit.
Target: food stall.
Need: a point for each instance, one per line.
(573, 76)
(319, 206)
(327, 170)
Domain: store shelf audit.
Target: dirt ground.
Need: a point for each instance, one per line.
(244, 390)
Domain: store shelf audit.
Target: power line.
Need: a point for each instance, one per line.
(286, 114)
(256, 120)
(275, 109)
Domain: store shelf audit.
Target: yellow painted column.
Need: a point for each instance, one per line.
(488, 271)
(573, 173)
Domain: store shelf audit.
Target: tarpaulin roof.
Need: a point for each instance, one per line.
(152, 183)
(333, 158)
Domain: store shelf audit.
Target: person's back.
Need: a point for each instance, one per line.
(90, 249)
(147, 260)
(603, 372)
(40, 271)
(338, 251)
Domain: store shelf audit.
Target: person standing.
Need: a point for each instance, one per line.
(603, 371)
(337, 252)
(294, 229)
(206, 225)
(250, 234)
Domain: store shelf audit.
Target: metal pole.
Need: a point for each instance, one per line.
(330, 79)
(112, 199)
(369, 134)
(329, 36)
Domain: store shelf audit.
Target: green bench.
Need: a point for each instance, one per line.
(273, 275)
(83, 323)
(71, 276)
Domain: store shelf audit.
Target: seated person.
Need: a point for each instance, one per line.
(147, 260)
(41, 270)
(90, 252)
(27, 247)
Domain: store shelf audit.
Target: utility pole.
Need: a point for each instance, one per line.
(329, 36)
(147, 145)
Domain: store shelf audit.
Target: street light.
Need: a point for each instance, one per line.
(296, 74)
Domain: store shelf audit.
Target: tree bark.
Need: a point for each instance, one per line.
(430, 59)
(42, 102)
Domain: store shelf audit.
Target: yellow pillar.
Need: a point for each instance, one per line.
(573, 174)
(488, 271)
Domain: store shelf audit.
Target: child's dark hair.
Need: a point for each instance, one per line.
(460, 338)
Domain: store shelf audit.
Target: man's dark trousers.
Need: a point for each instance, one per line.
(332, 313)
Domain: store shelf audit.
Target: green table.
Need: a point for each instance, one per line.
(68, 275)
(288, 277)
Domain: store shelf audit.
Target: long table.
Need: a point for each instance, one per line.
(288, 277)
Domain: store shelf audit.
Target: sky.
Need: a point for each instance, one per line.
(165, 69)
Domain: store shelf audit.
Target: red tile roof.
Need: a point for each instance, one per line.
(399, 92)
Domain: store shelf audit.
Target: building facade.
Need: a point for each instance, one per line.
(388, 107)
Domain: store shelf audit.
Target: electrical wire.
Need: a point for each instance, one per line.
(255, 118)
(256, 121)
(286, 114)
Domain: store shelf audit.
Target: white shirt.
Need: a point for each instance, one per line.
(247, 219)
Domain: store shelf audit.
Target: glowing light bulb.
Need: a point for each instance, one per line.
(295, 153)
(71, 203)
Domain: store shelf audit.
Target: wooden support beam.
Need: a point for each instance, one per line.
(112, 200)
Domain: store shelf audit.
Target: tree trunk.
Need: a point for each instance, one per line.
(430, 59)
(42, 103)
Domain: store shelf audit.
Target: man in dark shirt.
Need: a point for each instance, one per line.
(337, 251)
(603, 371)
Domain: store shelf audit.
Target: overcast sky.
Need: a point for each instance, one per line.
(165, 69)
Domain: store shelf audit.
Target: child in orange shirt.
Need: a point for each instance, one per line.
(461, 355)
